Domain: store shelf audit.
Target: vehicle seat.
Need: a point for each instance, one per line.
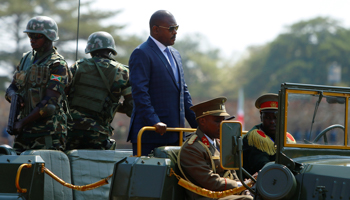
(171, 152)
(89, 166)
(7, 150)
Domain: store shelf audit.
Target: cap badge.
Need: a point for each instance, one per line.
(273, 104)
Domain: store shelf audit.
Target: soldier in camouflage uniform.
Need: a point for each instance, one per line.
(98, 84)
(40, 79)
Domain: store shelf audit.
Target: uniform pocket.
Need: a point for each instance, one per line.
(20, 78)
(34, 96)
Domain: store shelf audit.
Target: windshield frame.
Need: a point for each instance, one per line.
(280, 141)
(293, 91)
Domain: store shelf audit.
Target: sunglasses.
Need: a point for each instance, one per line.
(171, 28)
(35, 36)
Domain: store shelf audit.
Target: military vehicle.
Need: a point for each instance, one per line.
(316, 167)
(85, 174)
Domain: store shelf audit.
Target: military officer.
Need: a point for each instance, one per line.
(98, 84)
(258, 144)
(40, 80)
(198, 159)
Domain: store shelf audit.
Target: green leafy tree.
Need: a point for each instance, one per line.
(15, 14)
(201, 67)
(302, 55)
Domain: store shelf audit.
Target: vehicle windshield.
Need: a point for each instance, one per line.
(316, 118)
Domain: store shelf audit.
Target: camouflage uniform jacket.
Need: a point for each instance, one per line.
(84, 119)
(33, 76)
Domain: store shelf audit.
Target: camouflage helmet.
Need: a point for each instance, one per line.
(44, 25)
(100, 40)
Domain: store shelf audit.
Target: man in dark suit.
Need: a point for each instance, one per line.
(161, 97)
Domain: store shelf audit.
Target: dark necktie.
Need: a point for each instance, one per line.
(173, 65)
(216, 146)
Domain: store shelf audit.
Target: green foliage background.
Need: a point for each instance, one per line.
(302, 53)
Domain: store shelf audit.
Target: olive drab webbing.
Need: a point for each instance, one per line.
(32, 79)
(39, 74)
(89, 90)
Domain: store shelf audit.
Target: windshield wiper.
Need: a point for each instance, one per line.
(315, 111)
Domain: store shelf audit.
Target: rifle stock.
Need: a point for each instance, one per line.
(13, 116)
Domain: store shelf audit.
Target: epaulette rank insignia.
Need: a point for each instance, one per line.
(205, 141)
(192, 139)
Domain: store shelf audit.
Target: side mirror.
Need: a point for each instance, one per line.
(230, 131)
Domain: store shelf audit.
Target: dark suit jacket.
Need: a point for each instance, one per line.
(157, 97)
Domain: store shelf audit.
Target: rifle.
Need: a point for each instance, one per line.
(14, 112)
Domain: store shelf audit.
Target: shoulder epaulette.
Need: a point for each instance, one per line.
(261, 141)
(192, 139)
(290, 139)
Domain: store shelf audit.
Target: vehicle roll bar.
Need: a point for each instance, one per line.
(151, 128)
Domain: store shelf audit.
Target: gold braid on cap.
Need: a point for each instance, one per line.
(210, 112)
